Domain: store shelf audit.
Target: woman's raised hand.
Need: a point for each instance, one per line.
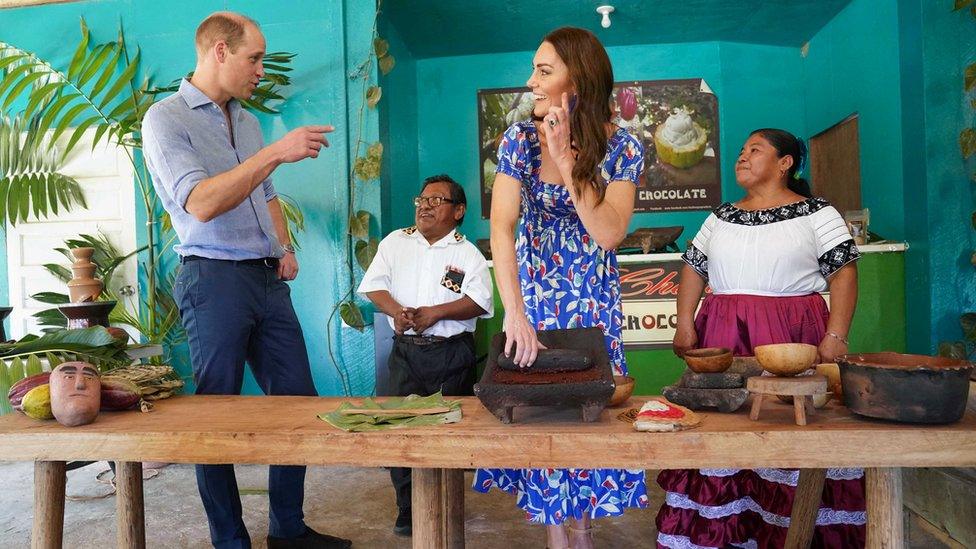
(559, 138)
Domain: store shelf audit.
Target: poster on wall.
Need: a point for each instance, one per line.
(676, 120)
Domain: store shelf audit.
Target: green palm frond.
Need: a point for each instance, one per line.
(98, 90)
(294, 218)
(276, 69)
(31, 182)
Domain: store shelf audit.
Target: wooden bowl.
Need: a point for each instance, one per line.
(831, 371)
(623, 388)
(786, 359)
(710, 360)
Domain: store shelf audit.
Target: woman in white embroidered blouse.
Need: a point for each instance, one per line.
(766, 259)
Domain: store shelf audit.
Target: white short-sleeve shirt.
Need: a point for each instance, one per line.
(419, 274)
(785, 251)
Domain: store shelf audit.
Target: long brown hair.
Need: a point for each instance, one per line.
(592, 75)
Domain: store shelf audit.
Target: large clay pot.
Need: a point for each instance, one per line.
(907, 388)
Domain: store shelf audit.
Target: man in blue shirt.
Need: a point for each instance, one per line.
(212, 172)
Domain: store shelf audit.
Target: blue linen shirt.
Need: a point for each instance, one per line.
(186, 140)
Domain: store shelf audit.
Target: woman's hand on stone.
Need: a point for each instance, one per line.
(521, 339)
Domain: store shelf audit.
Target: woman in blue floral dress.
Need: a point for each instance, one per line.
(571, 176)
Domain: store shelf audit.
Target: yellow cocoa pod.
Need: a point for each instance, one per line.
(37, 402)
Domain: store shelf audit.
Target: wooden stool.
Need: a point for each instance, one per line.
(801, 388)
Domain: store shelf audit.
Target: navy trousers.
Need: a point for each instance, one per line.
(446, 366)
(234, 313)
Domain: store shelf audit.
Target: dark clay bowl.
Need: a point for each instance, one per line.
(710, 360)
(906, 388)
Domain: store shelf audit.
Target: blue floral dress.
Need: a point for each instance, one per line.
(567, 281)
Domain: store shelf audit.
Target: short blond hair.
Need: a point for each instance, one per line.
(223, 25)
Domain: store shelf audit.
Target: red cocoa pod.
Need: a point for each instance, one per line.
(120, 335)
(627, 102)
(119, 393)
(19, 389)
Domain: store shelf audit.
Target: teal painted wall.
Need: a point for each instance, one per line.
(948, 46)
(749, 96)
(852, 66)
(331, 38)
(398, 126)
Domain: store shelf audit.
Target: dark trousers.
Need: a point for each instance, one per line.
(232, 313)
(446, 366)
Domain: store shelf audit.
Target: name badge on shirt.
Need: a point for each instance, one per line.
(452, 279)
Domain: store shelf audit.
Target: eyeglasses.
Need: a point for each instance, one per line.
(430, 201)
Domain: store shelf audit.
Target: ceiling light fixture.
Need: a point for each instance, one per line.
(605, 11)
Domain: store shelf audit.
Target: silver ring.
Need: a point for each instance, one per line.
(552, 122)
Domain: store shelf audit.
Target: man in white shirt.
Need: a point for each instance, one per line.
(434, 285)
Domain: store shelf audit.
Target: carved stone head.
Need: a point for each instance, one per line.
(75, 393)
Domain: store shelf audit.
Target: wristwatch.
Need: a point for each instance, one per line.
(289, 249)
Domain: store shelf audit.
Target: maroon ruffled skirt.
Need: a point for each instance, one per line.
(751, 508)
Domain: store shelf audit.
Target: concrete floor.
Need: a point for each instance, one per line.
(349, 502)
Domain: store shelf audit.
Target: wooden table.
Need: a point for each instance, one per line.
(285, 430)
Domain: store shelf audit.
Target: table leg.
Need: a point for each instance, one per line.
(428, 509)
(757, 399)
(886, 522)
(129, 512)
(806, 504)
(799, 410)
(49, 480)
(453, 497)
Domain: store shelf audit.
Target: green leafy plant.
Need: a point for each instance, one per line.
(31, 182)
(107, 259)
(361, 246)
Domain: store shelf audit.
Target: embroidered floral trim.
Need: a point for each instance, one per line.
(837, 257)
(682, 542)
(728, 212)
(697, 260)
(791, 477)
(825, 515)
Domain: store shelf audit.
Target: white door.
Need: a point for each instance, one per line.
(106, 179)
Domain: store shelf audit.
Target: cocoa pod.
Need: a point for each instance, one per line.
(37, 402)
(19, 389)
(121, 336)
(119, 393)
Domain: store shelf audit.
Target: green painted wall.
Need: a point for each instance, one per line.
(331, 38)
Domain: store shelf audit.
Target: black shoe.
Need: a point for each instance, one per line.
(309, 540)
(404, 523)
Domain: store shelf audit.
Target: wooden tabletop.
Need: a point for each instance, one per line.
(285, 430)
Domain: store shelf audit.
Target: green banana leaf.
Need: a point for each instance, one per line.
(363, 422)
